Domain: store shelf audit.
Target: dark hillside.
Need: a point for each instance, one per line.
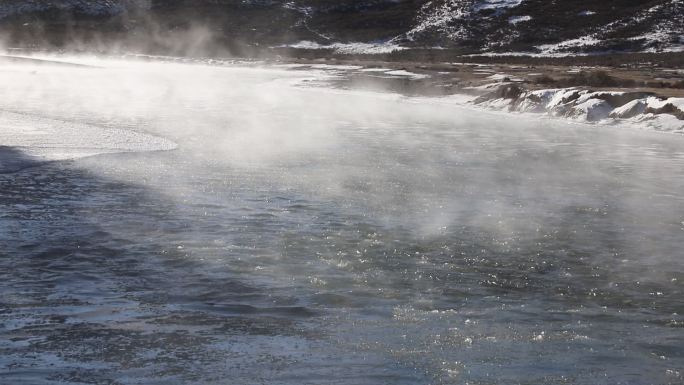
(531, 26)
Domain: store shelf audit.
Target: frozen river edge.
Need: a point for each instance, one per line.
(481, 87)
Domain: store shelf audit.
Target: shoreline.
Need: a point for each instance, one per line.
(644, 95)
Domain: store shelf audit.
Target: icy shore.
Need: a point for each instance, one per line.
(484, 87)
(27, 140)
(640, 108)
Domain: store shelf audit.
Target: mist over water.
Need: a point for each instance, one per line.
(169, 223)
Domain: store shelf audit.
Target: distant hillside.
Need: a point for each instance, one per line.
(544, 27)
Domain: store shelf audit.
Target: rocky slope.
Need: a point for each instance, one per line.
(539, 27)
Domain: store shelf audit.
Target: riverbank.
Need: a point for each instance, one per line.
(645, 91)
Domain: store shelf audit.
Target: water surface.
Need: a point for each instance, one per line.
(305, 235)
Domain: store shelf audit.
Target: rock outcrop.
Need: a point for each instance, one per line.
(589, 106)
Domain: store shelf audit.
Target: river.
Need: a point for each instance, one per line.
(168, 223)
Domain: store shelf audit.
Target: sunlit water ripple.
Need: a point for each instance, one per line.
(315, 236)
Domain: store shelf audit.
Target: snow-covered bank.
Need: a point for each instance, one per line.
(117, 101)
(640, 108)
(492, 89)
(27, 139)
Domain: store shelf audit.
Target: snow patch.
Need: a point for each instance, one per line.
(580, 42)
(375, 70)
(445, 18)
(504, 77)
(496, 4)
(45, 139)
(629, 110)
(407, 74)
(587, 106)
(334, 67)
(656, 103)
(661, 122)
(590, 110)
(348, 48)
(519, 19)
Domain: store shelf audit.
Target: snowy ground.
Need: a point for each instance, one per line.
(45, 139)
(607, 107)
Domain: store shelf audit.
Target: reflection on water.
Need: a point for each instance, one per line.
(313, 236)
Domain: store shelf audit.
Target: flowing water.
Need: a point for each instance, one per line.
(187, 224)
